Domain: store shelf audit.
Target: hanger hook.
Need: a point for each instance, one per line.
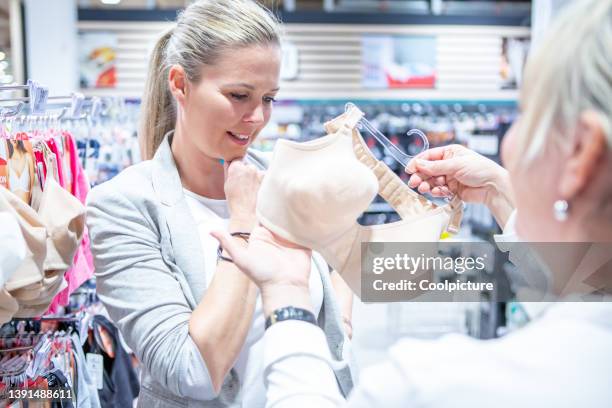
(348, 106)
(419, 133)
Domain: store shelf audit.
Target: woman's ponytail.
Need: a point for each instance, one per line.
(158, 111)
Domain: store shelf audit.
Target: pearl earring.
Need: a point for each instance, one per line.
(561, 208)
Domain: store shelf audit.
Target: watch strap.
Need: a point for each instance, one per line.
(290, 313)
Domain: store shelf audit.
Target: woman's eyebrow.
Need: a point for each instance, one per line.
(249, 86)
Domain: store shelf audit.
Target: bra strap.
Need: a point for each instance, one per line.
(403, 200)
(455, 211)
(348, 119)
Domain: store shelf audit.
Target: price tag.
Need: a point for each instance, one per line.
(95, 363)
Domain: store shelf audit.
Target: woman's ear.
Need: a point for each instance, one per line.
(586, 160)
(178, 83)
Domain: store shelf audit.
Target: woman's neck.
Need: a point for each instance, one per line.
(199, 173)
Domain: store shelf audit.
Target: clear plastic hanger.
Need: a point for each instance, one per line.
(395, 152)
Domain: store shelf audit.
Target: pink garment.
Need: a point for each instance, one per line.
(74, 162)
(83, 267)
(40, 159)
(53, 147)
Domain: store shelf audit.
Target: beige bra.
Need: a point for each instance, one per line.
(314, 192)
(52, 236)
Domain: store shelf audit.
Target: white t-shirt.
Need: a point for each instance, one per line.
(209, 215)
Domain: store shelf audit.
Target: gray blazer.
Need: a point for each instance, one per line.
(148, 261)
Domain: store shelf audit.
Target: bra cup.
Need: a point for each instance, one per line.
(345, 254)
(313, 195)
(34, 234)
(8, 306)
(64, 216)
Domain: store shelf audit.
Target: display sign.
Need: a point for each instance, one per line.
(97, 60)
(398, 61)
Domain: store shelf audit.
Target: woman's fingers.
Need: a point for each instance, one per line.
(433, 154)
(415, 180)
(418, 178)
(424, 188)
(440, 181)
(438, 168)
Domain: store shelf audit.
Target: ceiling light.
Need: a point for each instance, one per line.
(110, 1)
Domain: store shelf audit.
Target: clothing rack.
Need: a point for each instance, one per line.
(38, 98)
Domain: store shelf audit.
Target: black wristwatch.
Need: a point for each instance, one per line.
(290, 313)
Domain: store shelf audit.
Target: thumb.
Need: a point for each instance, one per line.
(446, 167)
(237, 252)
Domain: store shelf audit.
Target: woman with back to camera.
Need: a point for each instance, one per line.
(195, 321)
(558, 158)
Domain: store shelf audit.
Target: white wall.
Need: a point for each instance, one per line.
(469, 59)
(51, 44)
(542, 14)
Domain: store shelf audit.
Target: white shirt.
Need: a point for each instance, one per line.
(210, 215)
(563, 359)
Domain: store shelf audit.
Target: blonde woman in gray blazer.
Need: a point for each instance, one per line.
(210, 90)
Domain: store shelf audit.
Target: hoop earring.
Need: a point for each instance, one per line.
(561, 210)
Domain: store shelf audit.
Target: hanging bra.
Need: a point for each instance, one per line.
(313, 193)
(21, 182)
(52, 235)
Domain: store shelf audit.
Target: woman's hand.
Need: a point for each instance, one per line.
(456, 170)
(280, 268)
(242, 183)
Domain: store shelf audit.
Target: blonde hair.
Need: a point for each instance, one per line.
(204, 30)
(569, 72)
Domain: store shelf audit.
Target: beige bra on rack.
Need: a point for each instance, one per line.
(52, 235)
(314, 192)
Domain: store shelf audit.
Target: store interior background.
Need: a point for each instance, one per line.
(477, 47)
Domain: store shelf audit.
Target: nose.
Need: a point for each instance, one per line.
(256, 115)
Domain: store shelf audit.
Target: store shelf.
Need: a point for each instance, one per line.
(319, 17)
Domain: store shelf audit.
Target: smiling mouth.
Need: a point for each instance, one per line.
(238, 138)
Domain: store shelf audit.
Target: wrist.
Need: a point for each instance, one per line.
(279, 295)
(500, 200)
(240, 223)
